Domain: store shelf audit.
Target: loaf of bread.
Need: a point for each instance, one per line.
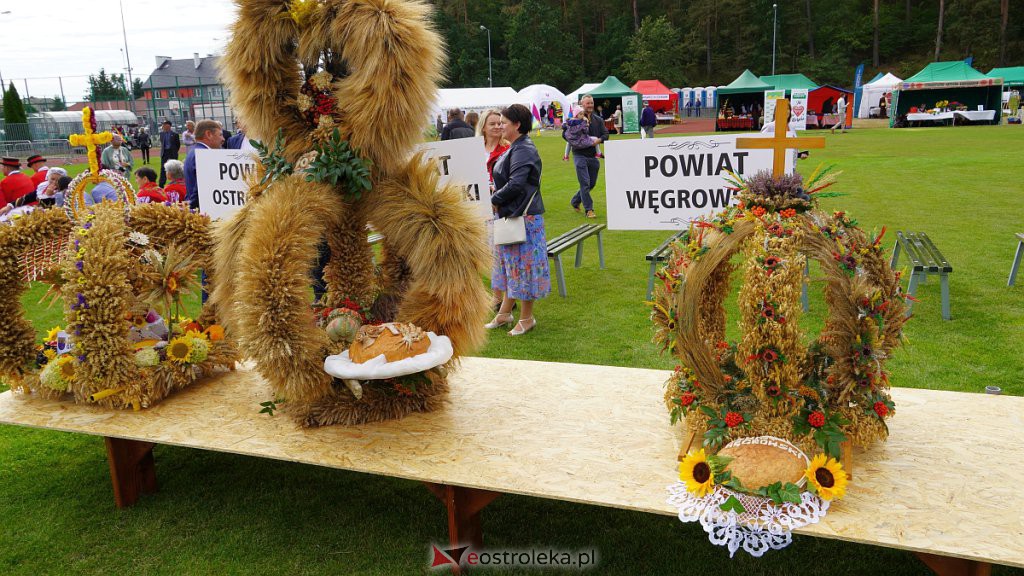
(764, 460)
(395, 340)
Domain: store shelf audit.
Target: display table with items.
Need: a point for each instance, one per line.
(822, 120)
(735, 123)
(944, 486)
(952, 116)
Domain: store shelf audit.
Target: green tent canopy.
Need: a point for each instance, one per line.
(789, 82)
(957, 71)
(612, 90)
(1011, 76)
(744, 84)
(951, 81)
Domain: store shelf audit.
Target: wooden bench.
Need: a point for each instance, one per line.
(925, 259)
(657, 256)
(574, 237)
(945, 486)
(1016, 260)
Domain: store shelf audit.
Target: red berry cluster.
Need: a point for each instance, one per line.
(687, 398)
(881, 409)
(733, 419)
(816, 419)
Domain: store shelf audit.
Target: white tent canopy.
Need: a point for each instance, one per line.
(539, 95)
(472, 100)
(574, 97)
(873, 91)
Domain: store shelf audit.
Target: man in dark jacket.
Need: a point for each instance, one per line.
(585, 159)
(456, 126)
(170, 144)
(648, 120)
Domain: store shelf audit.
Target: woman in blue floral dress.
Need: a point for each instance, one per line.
(520, 270)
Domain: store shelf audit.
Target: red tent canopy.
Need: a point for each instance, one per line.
(818, 96)
(661, 98)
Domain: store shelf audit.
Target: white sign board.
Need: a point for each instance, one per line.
(798, 108)
(220, 175)
(770, 96)
(663, 184)
(464, 162)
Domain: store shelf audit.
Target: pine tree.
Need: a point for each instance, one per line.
(14, 108)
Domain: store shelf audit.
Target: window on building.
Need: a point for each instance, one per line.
(170, 93)
(197, 92)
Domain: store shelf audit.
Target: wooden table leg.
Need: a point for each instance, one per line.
(464, 506)
(132, 470)
(948, 566)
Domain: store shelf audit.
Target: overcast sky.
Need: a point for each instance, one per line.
(43, 39)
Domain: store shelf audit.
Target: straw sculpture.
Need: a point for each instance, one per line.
(343, 83)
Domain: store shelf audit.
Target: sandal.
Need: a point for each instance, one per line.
(499, 321)
(522, 327)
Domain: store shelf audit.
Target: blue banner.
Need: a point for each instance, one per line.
(857, 90)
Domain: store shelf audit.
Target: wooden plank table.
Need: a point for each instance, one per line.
(946, 484)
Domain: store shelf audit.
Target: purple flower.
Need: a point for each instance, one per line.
(81, 358)
(81, 299)
(78, 265)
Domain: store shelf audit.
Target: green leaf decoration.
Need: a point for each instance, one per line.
(337, 163)
(732, 505)
(268, 407)
(718, 463)
(788, 493)
(274, 162)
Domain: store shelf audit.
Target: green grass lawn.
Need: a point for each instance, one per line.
(227, 514)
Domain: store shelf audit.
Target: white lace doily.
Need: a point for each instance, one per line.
(439, 352)
(763, 526)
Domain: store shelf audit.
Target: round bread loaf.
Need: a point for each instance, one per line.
(764, 460)
(396, 341)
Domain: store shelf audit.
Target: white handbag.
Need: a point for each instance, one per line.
(509, 231)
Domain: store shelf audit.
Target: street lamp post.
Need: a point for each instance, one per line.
(128, 60)
(490, 69)
(775, 26)
(3, 87)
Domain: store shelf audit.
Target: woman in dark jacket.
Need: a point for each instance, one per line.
(520, 270)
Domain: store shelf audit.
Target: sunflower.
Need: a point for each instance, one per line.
(826, 477)
(179, 350)
(696, 472)
(66, 365)
(51, 336)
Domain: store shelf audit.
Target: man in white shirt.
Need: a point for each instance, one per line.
(841, 110)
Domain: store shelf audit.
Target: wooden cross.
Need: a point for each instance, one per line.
(779, 142)
(92, 141)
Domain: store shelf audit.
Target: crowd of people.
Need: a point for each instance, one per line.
(521, 273)
(46, 187)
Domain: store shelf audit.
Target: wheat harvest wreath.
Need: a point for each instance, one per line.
(756, 407)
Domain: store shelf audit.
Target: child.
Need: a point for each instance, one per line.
(577, 135)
